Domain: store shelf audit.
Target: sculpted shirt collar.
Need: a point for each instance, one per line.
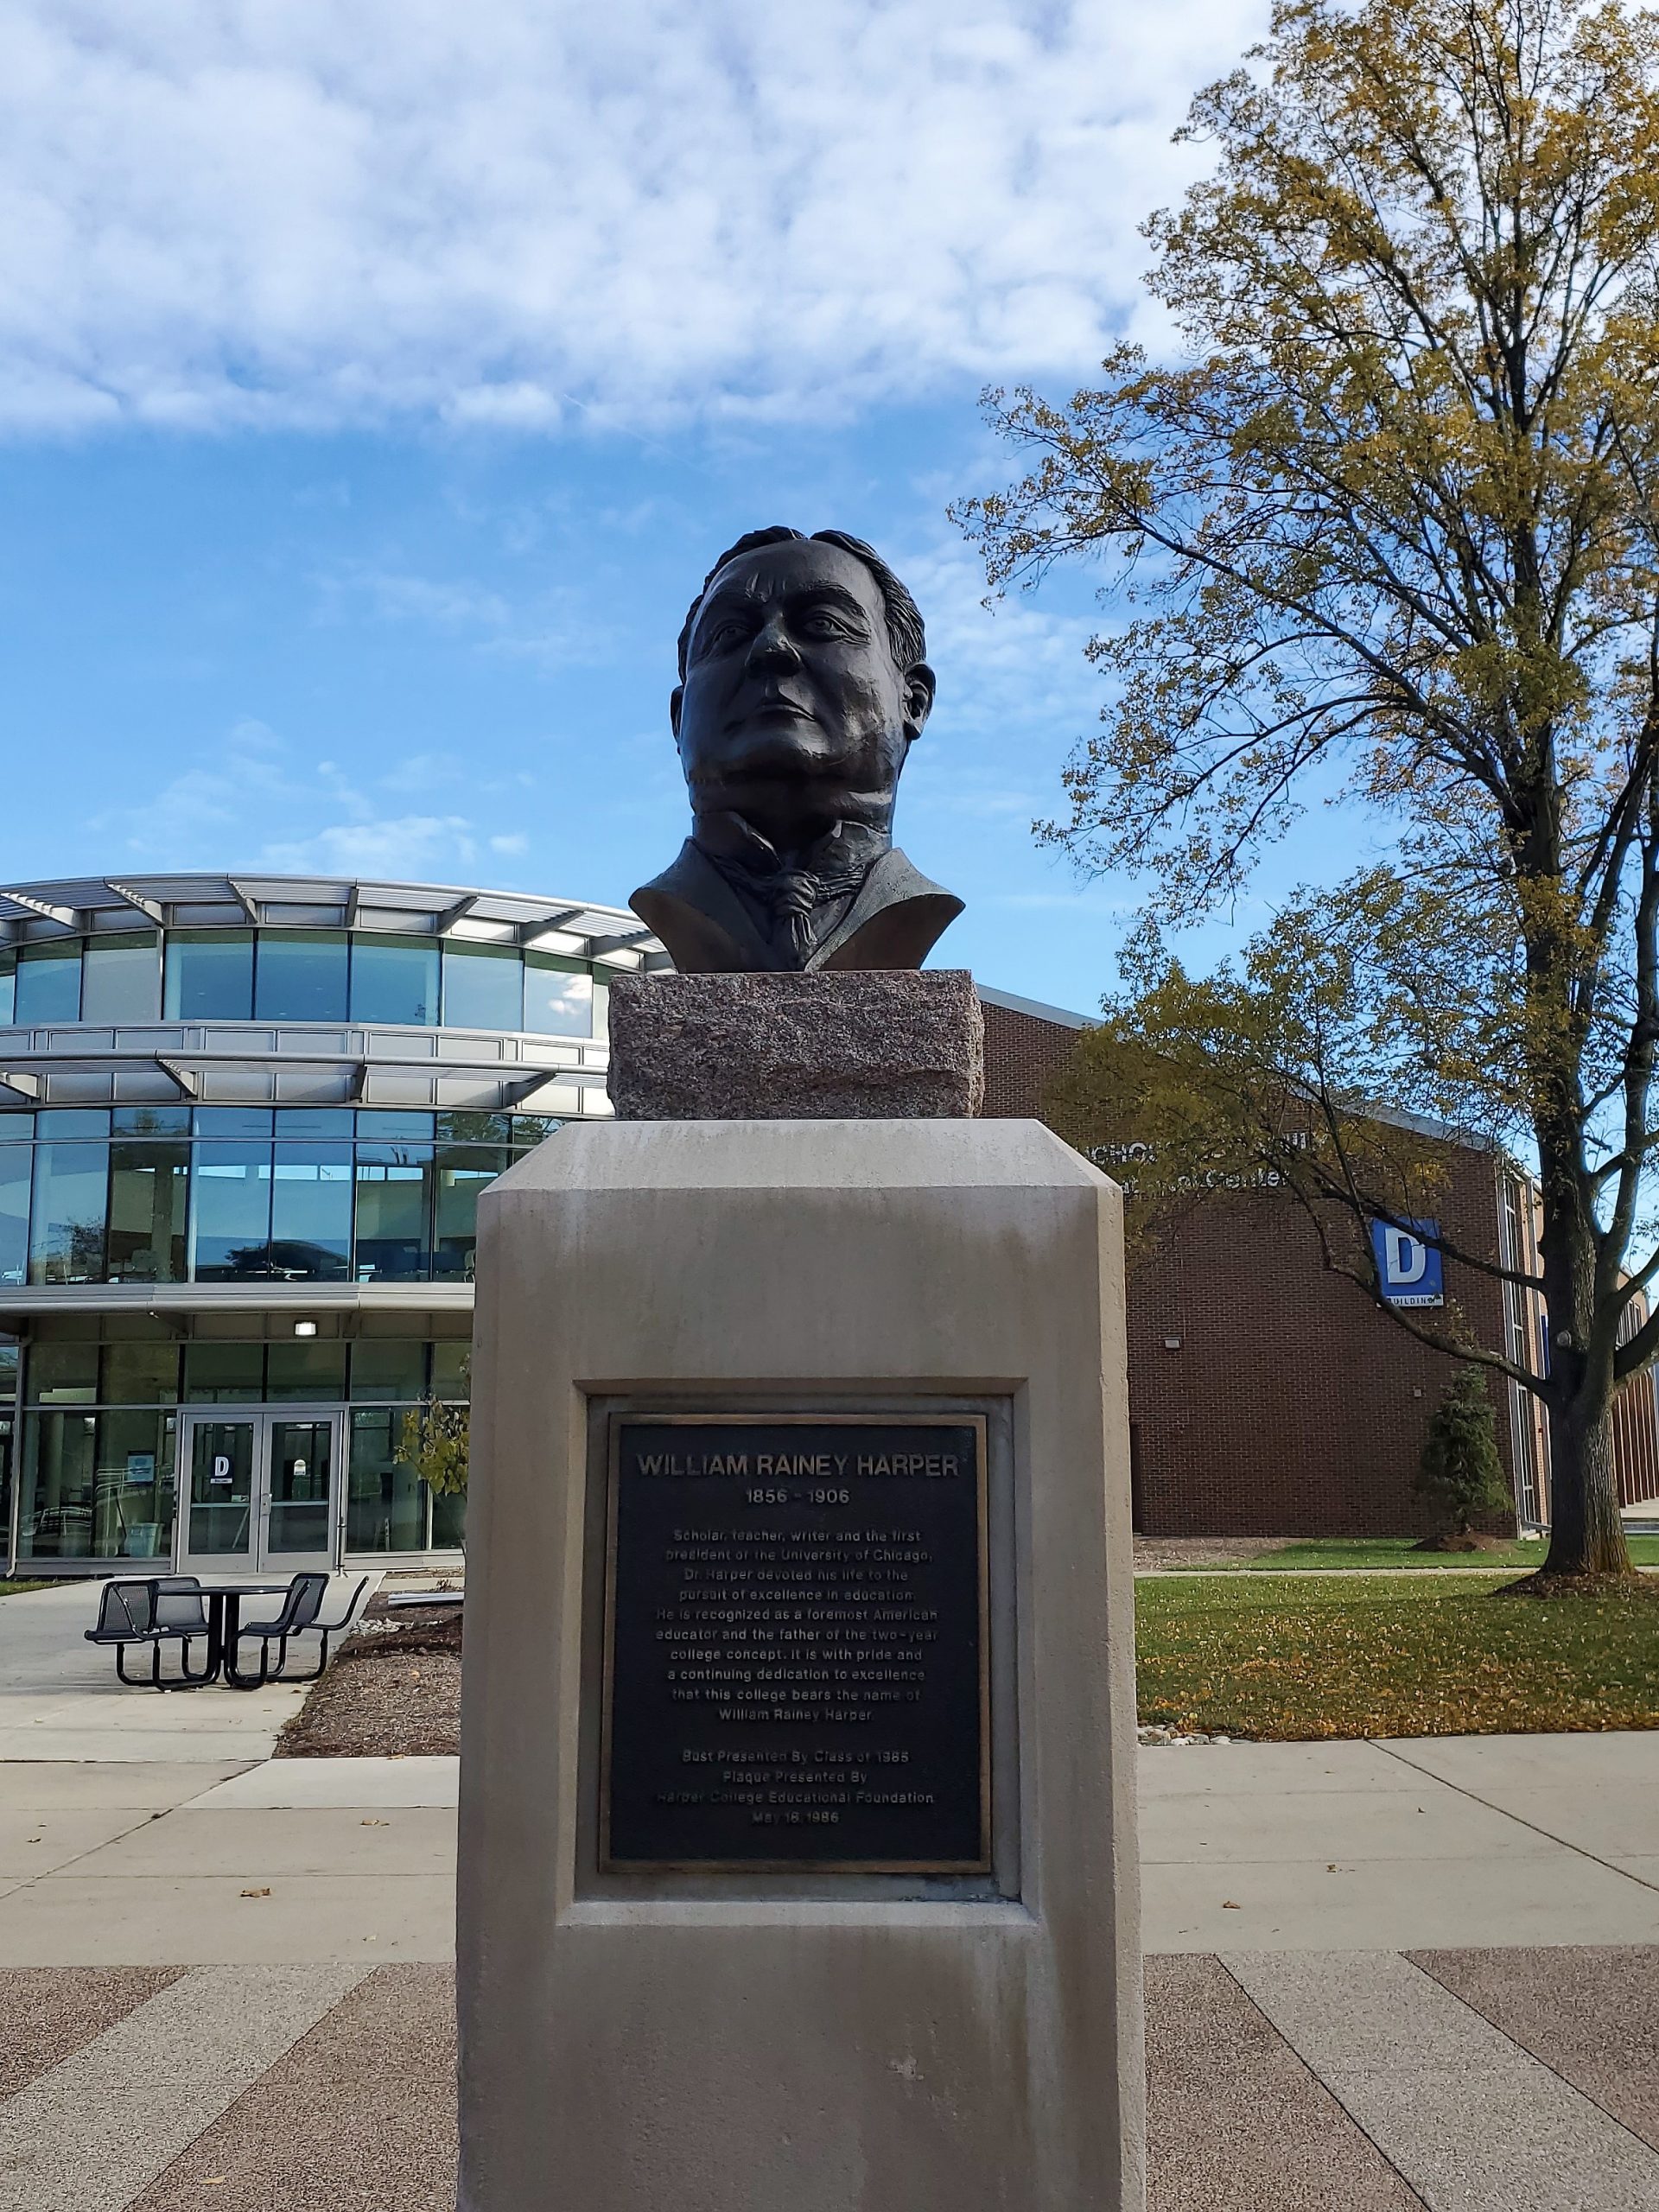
(797, 902)
(730, 841)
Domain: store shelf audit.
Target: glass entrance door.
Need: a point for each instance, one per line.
(262, 1491)
(299, 1492)
(219, 1528)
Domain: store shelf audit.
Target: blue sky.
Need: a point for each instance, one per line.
(377, 379)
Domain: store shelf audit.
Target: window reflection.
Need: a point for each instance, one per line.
(301, 975)
(16, 1163)
(139, 1374)
(558, 996)
(66, 1214)
(97, 1485)
(224, 1375)
(311, 1212)
(392, 1211)
(395, 979)
(387, 1501)
(390, 1368)
(483, 987)
(209, 975)
(149, 1205)
(48, 983)
(121, 978)
(463, 1171)
(149, 1190)
(312, 1374)
(230, 1227)
(60, 1485)
(99, 1440)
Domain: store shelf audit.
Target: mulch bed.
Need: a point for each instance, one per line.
(391, 1691)
(1153, 1552)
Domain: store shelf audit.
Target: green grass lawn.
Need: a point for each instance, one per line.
(1324, 1553)
(12, 1589)
(1298, 1660)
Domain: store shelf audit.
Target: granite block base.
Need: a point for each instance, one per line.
(855, 1044)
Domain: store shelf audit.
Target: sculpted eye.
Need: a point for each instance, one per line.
(823, 623)
(723, 634)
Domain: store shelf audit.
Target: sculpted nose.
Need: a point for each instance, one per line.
(772, 647)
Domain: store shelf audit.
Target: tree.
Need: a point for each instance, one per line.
(435, 1441)
(1389, 530)
(1461, 1473)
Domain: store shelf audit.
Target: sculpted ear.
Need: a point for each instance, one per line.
(676, 697)
(920, 683)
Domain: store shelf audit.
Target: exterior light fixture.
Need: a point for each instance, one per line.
(305, 1328)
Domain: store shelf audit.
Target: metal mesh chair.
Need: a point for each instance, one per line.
(155, 1611)
(301, 1611)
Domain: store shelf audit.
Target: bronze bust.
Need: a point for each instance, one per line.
(804, 681)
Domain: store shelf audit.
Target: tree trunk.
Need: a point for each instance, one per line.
(1586, 1535)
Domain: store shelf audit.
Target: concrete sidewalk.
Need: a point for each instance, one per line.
(60, 1697)
(1487, 1842)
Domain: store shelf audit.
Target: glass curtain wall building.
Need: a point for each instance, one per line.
(243, 1126)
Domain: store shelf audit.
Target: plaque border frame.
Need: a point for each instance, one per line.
(842, 1418)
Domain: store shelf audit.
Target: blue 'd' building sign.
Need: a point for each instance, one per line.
(1408, 1261)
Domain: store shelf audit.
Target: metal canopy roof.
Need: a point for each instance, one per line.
(93, 904)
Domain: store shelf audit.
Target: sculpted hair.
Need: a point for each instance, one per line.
(907, 637)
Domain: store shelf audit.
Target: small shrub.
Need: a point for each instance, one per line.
(1461, 1473)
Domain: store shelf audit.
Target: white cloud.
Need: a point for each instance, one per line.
(317, 211)
(406, 848)
(552, 629)
(249, 804)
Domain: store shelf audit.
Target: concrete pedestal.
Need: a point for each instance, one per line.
(715, 2039)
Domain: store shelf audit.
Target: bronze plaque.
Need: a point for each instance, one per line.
(796, 1643)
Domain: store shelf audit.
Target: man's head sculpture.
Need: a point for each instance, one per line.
(804, 682)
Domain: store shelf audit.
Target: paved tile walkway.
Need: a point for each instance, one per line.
(1357, 2082)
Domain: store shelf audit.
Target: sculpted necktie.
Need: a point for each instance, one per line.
(792, 894)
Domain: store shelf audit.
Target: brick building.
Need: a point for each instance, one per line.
(1270, 1397)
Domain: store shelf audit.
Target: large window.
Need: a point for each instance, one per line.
(387, 1504)
(395, 979)
(483, 987)
(301, 975)
(165, 1194)
(68, 1207)
(17, 1166)
(48, 983)
(463, 1171)
(209, 975)
(100, 1435)
(558, 996)
(392, 1212)
(229, 1227)
(149, 1192)
(97, 1485)
(121, 978)
(311, 1211)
